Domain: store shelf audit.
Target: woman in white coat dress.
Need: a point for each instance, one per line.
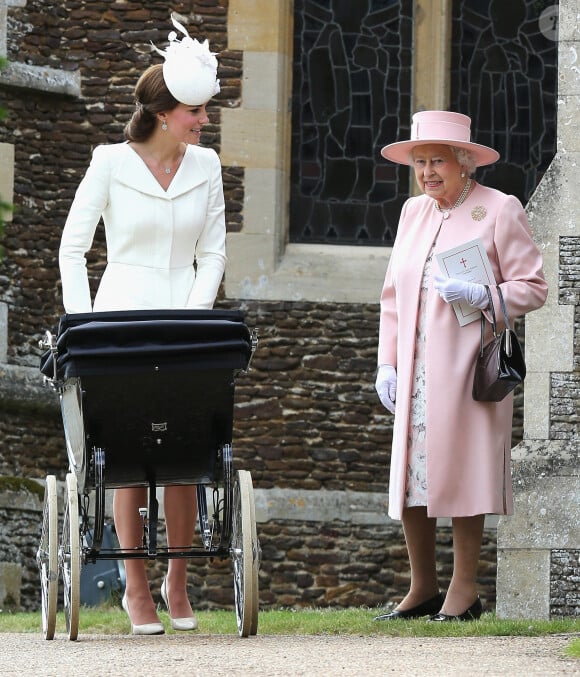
(450, 455)
(160, 196)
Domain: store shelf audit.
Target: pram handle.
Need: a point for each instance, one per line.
(49, 343)
(254, 345)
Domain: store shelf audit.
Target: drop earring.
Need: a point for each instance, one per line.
(462, 175)
(164, 126)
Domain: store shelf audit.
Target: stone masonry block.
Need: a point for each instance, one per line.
(523, 584)
(6, 176)
(261, 71)
(10, 582)
(249, 138)
(545, 514)
(251, 22)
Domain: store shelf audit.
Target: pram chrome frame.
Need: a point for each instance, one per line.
(198, 353)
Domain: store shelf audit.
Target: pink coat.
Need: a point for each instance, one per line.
(468, 443)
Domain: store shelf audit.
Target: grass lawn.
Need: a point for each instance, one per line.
(112, 620)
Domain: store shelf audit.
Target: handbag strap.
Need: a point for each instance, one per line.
(493, 320)
(508, 333)
(503, 308)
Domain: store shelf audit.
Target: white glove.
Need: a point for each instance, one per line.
(386, 386)
(452, 290)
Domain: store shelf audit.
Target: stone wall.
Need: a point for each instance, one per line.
(305, 562)
(53, 135)
(307, 417)
(306, 420)
(565, 583)
(544, 535)
(21, 520)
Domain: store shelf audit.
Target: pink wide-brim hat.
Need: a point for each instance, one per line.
(444, 127)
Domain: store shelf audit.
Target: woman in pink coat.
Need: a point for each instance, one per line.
(160, 196)
(450, 454)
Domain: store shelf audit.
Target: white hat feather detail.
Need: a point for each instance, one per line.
(190, 69)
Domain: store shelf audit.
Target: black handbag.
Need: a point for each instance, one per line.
(500, 365)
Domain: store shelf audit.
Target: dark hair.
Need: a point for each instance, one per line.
(151, 97)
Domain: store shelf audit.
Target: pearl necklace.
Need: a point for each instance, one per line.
(459, 200)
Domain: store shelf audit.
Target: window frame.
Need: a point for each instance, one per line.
(262, 264)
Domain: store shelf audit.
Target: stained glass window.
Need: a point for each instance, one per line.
(351, 91)
(504, 76)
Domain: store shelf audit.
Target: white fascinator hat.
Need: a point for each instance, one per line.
(190, 69)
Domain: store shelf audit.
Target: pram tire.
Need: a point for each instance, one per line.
(47, 558)
(242, 551)
(70, 557)
(256, 559)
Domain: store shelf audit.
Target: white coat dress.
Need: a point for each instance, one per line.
(165, 248)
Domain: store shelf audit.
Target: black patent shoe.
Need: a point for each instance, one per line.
(472, 614)
(427, 608)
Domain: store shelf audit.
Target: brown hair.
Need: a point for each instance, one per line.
(151, 97)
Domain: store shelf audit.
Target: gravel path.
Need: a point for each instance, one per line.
(273, 655)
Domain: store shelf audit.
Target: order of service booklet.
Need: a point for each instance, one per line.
(468, 262)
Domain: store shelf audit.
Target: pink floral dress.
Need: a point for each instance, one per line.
(416, 484)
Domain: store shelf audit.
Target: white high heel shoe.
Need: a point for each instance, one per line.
(177, 623)
(145, 628)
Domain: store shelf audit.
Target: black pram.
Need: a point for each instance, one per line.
(147, 399)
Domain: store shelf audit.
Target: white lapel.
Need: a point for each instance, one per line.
(134, 173)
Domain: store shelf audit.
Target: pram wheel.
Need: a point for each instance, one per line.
(256, 559)
(47, 558)
(69, 557)
(245, 556)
